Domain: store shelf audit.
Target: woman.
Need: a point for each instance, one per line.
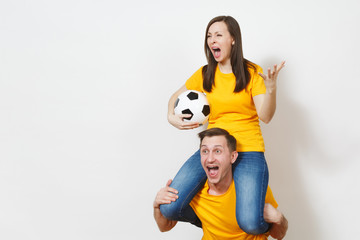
(239, 95)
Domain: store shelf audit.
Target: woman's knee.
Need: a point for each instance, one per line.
(170, 211)
(253, 226)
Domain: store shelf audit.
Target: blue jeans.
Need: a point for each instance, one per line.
(251, 180)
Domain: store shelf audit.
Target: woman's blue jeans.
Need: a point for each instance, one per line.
(251, 176)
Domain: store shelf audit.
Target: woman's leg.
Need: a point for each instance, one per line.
(188, 181)
(251, 178)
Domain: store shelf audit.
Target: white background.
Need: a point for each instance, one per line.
(84, 140)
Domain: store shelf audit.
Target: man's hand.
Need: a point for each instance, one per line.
(166, 195)
(277, 219)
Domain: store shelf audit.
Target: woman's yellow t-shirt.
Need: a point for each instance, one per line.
(234, 112)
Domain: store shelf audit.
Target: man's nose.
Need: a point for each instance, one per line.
(211, 157)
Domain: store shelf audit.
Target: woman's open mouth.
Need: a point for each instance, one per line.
(216, 52)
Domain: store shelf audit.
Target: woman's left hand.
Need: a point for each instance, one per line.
(270, 78)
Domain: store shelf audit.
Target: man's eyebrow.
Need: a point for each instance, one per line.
(219, 145)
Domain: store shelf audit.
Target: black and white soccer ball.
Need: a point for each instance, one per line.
(194, 103)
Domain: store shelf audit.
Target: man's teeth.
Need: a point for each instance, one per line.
(211, 168)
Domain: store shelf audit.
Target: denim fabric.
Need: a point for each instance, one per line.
(188, 181)
(251, 180)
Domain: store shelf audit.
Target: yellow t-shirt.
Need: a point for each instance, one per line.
(234, 112)
(217, 214)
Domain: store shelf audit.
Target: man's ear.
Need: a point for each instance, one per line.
(234, 156)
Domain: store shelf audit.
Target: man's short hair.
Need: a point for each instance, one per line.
(212, 132)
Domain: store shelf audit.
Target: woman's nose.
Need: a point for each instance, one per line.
(211, 39)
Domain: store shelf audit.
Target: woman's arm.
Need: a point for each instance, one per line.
(177, 120)
(266, 103)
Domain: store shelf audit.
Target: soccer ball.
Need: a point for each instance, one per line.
(194, 103)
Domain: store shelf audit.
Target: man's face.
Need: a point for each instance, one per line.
(216, 158)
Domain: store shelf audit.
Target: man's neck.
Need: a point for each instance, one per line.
(220, 187)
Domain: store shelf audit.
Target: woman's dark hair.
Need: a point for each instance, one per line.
(212, 132)
(240, 65)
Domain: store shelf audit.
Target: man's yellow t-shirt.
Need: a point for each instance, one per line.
(217, 214)
(234, 112)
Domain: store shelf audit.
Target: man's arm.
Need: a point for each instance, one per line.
(166, 195)
(279, 223)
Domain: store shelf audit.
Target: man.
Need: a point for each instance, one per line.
(215, 203)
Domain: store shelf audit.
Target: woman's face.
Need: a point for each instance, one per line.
(220, 42)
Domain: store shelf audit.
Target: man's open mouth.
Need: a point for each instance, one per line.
(213, 170)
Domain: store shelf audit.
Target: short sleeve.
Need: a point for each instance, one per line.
(270, 198)
(258, 85)
(195, 82)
